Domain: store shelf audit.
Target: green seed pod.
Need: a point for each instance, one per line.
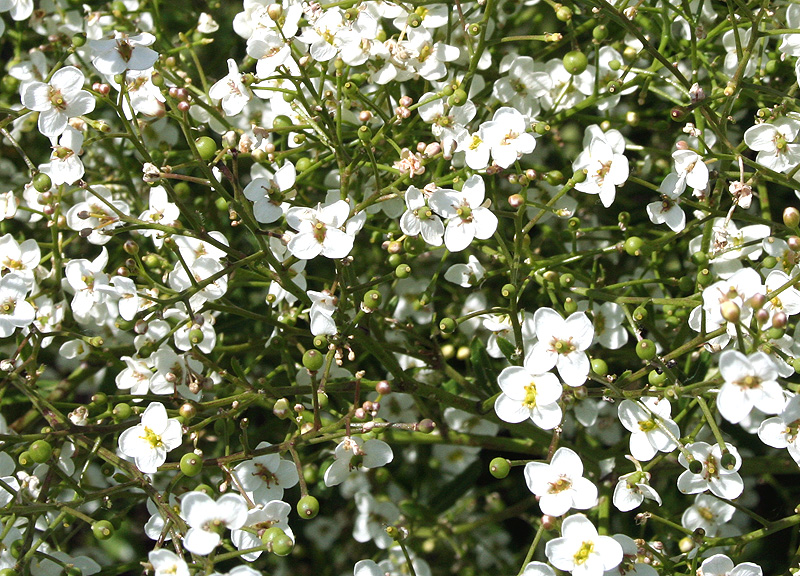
(282, 122)
(402, 271)
(695, 466)
(41, 451)
(728, 461)
(633, 246)
(564, 13)
(600, 32)
(321, 342)
(458, 98)
(508, 290)
(567, 280)
(599, 366)
(499, 468)
(704, 277)
(191, 464)
(656, 378)
(579, 176)
(42, 182)
(570, 306)
(414, 20)
(303, 164)
(307, 507)
(103, 529)
(364, 133)
(646, 349)
(206, 147)
(575, 62)
(121, 412)
(313, 360)
(554, 178)
(372, 299)
(25, 459)
(447, 325)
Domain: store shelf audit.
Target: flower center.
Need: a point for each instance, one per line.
(266, 476)
(647, 425)
(583, 553)
(749, 382)
(530, 396)
(705, 513)
(563, 346)
(152, 438)
(124, 49)
(57, 99)
(465, 212)
(319, 232)
(563, 483)
(476, 141)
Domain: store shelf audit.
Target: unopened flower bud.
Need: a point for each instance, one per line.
(779, 320)
(791, 217)
(730, 311)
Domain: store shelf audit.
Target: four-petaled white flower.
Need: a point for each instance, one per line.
(420, 219)
(122, 52)
(230, 90)
(15, 311)
(721, 565)
(562, 343)
(750, 382)
(560, 485)
(269, 193)
(468, 219)
(265, 477)
(167, 563)
(775, 143)
(652, 430)
(208, 518)
(59, 100)
(149, 441)
(632, 489)
(353, 453)
(782, 431)
(581, 550)
(723, 482)
(318, 231)
(529, 394)
(606, 166)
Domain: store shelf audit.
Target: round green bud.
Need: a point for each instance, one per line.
(728, 461)
(775, 333)
(206, 147)
(567, 280)
(313, 360)
(402, 271)
(205, 489)
(303, 164)
(575, 62)
(458, 98)
(700, 258)
(570, 306)
(678, 114)
(656, 378)
(633, 246)
(395, 260)
(414, 20)
(270, 534)
(310, 474)
(791, 216)
(579, 176)
(640, 313)
(474, 29)
(16, 548)
(447, 325)
(599, 366)
(686, 284)
(613, 87)
(282, 122)
(646, 349)
(695, 466)
(704, 277)
(372, 299)
(307, 507)
(364, 133)
(282, 545)
(121, 412)
(321, 342)
(8, 572)
(600, 32)
(25, 459)
(499, 467)
(42, 182)
(191, 464)
(564, 13)
(508, 290)
(554, 178)
(103, 529)
(195, 336)
(79, 39)
(769, 262)
(41, 451)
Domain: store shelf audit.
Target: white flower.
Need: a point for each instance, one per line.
(269, 193)
(122, 52)
(667, 210)
(420, 219)
(750, 382)
(560, 484)
(606, 166)
(562, 343)
(265, 477)
(373, 517)
(208, 518)
(166, 563)
(466, 275)
(708, 513)
(529, 394)
(65, 165)
(318, 231)
(782, 431)
(15, 311)
(230, 90)
(722, 482)
(320, 315)
(652, 430)
(775, 144)
(632, 489)
(721, 565)
(537, 569)
(788, 300)
(206, 23)
(506, 136)
(581, 550)
(689, 167)
(59, 100)
(135, 377)
(467, 218)
(160, 211)
(607, 319)
(354, 453)
(273, 513)
(149, 441)
(98, 213)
